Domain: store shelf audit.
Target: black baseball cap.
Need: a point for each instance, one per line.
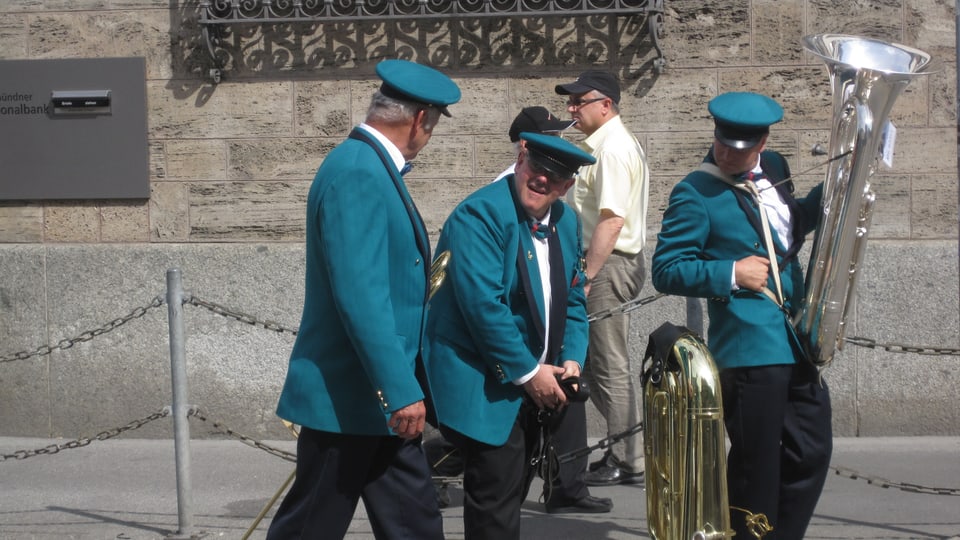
(602, 81)
(537, 120)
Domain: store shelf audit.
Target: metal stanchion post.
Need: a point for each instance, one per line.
(181, 426)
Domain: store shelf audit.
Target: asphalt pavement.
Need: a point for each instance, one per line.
(888, 488)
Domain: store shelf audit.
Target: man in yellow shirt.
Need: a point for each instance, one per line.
(611, 199)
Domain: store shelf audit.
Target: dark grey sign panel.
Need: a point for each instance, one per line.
(73, 129)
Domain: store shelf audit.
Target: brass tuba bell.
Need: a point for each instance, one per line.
(438, 272)
(685, 451)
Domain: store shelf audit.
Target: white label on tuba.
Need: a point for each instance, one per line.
(888, 138)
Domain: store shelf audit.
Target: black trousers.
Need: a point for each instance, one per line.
(496, 479)
(778, 419)
(335, 470)
(567, 484)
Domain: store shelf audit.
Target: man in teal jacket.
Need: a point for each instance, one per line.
(731, 233)
(351, 380)
(509, 321)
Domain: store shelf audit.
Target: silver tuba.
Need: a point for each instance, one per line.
(867, 77)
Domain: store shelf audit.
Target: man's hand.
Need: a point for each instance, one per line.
(544, 389)
(751, 272)
(604, 239)
(570, 369)
(409, 421)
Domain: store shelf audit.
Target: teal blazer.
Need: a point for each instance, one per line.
(707, 226)
(367, 254)
(485, 324)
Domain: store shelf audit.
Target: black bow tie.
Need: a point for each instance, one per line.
(540, 230)
(751, 176)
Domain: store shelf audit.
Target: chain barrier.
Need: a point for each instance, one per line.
(224, 311)
(601, 444)
(64, 344)
(887, 484)
(237, 315)
(84, 441)
(246, 318)
(624, 308)
(900, 348)
(249, 441)
(839, 471)
(292, 457)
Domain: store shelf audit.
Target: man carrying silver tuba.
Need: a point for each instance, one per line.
(731, 233)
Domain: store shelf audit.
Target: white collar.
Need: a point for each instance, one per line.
(546, 218)
(392, 149)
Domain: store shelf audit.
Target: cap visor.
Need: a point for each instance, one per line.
(572, 88)
(550, 164)
(556, 126)
(738, 143)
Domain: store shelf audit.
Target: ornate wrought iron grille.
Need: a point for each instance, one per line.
(216, 13)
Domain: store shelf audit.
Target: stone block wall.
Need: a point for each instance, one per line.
(231, 163)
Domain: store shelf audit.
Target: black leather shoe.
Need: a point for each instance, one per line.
(609, 475)
(586, 505)
(599, 463)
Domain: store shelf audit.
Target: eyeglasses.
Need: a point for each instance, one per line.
(539, 170)
(576, 103)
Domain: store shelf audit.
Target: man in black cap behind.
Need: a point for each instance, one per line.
(611, 199)
(351, 383)
(532, 120)
(507, 325)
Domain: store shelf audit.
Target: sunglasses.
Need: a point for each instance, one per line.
(577, 103)
(538, 169)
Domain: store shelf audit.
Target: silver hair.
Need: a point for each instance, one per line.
(390, 110)
(613, 104)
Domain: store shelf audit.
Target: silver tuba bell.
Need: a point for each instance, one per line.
(867, 76)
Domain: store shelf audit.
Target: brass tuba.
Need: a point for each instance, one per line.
(686, 465)
(438, 272)
(867, 77)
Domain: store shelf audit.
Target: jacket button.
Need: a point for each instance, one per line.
(383, 402)
(756, 245)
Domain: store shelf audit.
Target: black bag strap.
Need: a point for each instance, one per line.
(660, 349)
